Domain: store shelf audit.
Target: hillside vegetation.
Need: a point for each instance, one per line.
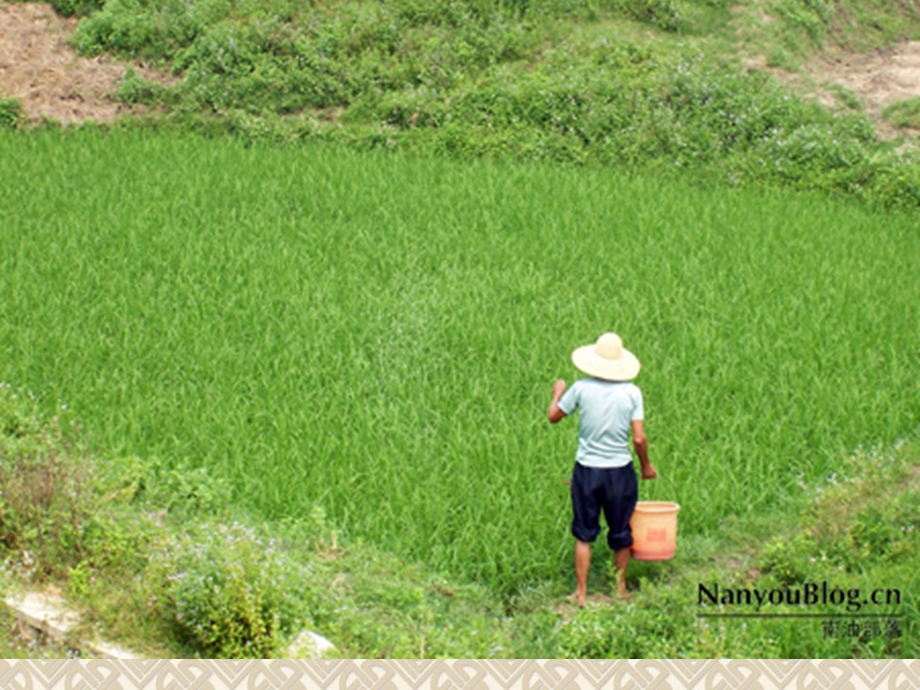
(657, 85)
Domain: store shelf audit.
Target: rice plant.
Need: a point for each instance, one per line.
(377, 334)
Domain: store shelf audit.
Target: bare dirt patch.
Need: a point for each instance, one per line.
(40, 69)
(876, 79)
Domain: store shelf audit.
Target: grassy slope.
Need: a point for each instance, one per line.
(857, 529)
(655, 85)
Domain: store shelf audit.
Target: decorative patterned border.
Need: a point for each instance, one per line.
(525, 674)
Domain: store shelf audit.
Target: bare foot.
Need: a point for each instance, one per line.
(578, 599)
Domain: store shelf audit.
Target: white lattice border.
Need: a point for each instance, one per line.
(348, 674)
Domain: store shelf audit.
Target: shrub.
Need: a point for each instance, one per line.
(232, 595)
(134, 89)
(46, 494)
(888, 531)
(69, 8)
(789, 560)
(11, 113)
(806, 16)
(664, 14)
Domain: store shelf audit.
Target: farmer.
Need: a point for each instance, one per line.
(610, 407)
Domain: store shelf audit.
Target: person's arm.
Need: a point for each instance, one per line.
(555, 413)
(640, 443)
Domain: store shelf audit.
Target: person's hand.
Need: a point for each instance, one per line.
(649, 472)
(558, 389)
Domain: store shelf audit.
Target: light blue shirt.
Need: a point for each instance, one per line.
(606, 412)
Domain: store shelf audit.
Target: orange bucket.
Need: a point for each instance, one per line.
(654, 530)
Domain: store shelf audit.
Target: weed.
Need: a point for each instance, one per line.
(134, 89)
(846, 97)
(903, 113)
(665, 14)
(70, 8)
(11, 113)
(230, 594)
(45, 498)
(789, 560)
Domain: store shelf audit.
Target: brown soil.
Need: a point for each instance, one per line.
(567, 607)
(876, 79)
(40, 69)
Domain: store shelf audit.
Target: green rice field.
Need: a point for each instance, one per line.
(377, 335)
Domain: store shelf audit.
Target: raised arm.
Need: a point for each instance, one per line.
(555, 412)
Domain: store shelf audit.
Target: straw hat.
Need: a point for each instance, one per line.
(607, 359)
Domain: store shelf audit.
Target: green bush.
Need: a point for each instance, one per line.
(69, 8)
(11, 113)
(894, 180)
(134, 89)
(809, 17)
(665, 14)
(789, 560)
(230, 594)
(887, 532)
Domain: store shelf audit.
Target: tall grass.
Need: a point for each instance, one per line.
(377, 334)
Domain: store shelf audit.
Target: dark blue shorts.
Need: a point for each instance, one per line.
(615, 491)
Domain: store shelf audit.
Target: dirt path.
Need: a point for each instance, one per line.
(38, 68)
(50, 80)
